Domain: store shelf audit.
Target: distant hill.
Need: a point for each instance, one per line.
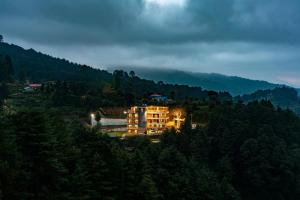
(217, 82)
(38, 67)
(283, 97)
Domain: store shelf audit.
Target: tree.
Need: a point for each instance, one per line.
(44, 171)
(132, 74)
(98, 117)
(99, 176)
(6, 69)
(3, 93)
(22, 74)
(172, 174)
(1, 38)
(148, 189)
(172, 95)
(9, 164)
(130, 99)
(117, 78)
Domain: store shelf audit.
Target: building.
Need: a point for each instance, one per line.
(153, 119)
(32, 87)
(35, 86)
(157, 118)
(158, 98)
(136, 120)
(109, 125)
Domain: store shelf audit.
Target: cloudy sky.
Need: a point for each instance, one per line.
(258, 39)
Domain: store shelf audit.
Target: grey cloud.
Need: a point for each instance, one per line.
(68, 21)
(252, 38)
(248, 20)
(120, 21)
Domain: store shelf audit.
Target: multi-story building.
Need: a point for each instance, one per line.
(136, 120)
(157, 118)
(153, 119)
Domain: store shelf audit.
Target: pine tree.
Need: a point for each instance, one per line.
(39, 157)
(3, 94)
(7, 68)
(22, 74)
(9, 160)
(147, 189)
(98, 118)
(99, 176)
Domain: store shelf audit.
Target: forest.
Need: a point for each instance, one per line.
(245, 151)
(284, 97)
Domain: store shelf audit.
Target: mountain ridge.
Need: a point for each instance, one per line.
(32, 66)
(41, 66)
(210, 81)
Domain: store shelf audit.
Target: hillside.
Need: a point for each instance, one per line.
(283, 97)
(48, 151)
(38, 67)
(217, 82)
(246, 152)
(35, 66)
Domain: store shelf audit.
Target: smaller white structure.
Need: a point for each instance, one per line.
(108, 121)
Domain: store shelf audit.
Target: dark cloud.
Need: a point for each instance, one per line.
(251, 38)
(120, 21)
(68, 21)
(247, 20)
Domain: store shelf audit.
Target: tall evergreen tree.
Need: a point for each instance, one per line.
(39, 157)
(6, 68)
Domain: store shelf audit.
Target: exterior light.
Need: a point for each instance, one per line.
(92, 115)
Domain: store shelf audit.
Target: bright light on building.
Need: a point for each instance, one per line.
(154, 119)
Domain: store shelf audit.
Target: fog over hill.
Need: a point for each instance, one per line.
(210, 81)
(39, 66)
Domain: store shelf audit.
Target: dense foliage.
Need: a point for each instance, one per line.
(283, 97)
(37, 67)
(209, 81)
(246, 152)
(6, 68)
(238, 151)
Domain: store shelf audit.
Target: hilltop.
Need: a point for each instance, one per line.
(209, 81)
(83, 82)
(37, 66)
(283, 97)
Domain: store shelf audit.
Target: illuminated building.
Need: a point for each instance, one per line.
(157, 118)
(136, 120)
(153, 119)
